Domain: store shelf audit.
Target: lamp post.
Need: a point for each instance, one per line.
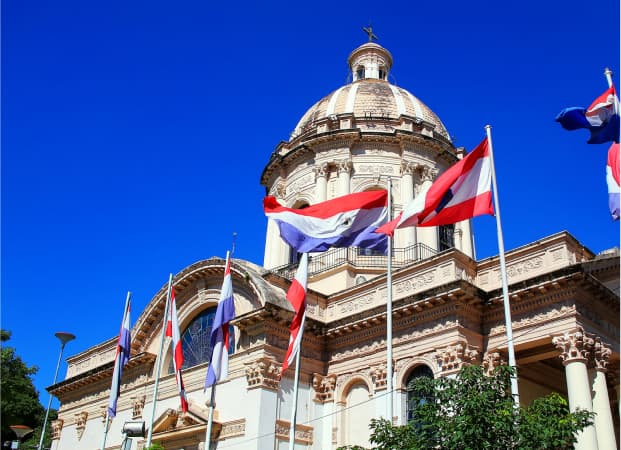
(63, 338)
(20, 431)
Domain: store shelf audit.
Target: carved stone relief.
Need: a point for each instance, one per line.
(263, 373)
(491, 360)
(80, 423)
(453, 357)
(57, 426)
(138, 406)
(574, 346)
(324, 387)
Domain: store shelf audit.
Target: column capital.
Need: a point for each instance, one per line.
(575, 346)
(378, 375)
(321, 170)
(453, 357)
(324, 387)
(427, 173)
(263, 373)
(491, 360)
(601, 355)
(343, 165)
(409, 168)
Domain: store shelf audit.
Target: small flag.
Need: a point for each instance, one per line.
(122, 358)
(601, 118)
(347, 221)
(612, 179)
(297, 297)
(172, 331)
(462, 192)
(219, 363)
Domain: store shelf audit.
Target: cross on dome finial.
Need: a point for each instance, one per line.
(369, 31)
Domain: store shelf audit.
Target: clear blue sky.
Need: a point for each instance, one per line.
(134, 133)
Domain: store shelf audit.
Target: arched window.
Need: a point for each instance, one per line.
(418, 372)
(360, 73)
(196, 340)
(382, 73)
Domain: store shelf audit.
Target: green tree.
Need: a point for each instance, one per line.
(19, 400)
(476, 411)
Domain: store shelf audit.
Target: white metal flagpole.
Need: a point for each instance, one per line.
(389, 407)
(503, 275)
(296, 382)
(210, 417)
(158, 363)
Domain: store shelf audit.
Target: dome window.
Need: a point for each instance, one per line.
(360, 73)
(382, 73)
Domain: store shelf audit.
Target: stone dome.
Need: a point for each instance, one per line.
(370, 96)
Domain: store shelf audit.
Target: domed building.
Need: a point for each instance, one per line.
(447, 308)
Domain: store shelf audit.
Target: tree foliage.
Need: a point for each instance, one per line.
(19, 400)
(476, 411)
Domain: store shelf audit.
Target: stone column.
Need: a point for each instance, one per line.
(427, 235)
(604, 426)
(321, 180)
(574, 349)
(323, 388)
(276, 250)
(407, 235)
(262, 399)
(344, 167)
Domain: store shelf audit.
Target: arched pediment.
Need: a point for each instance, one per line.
(197, 287)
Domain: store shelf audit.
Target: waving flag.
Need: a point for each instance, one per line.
(347, 221)
(462, 192)
(122, 358)
(612, 178)
(219, 364)
(601, 118)
(297, 297)
(172, 331)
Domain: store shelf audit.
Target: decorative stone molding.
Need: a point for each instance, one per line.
(378, 375)
(138, 406)
(409, 168)
(263, 373)
(601, 355)
(303, 433)
(103, 412)
(574, 346)
(232, 428)
(491, 360)
(279, 190)
(453, 357)
(324, 387)
(57, 426)
(80, 423)
(427, 173)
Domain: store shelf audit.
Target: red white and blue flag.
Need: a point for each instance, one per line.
(297, 297)
(347, 221)
(461, 192)
(122, 358)
(612, 179)
(172, 331)
(601, 118)
(220, 338)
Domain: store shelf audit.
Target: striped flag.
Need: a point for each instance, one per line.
(172, 331)
(219, 363)
(297, 297)
(612, 178)
(122, 358)
(347, 221)
(462, 192)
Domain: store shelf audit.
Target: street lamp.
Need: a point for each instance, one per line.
(20, 431)
(63, 338)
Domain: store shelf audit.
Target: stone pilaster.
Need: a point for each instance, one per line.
(427, 235)
(604, 426)
(344, 168)
(57, 426)
(575, 350)
(408, 169)
(321, 180)
(263, 373)
(379, 377)
(491, 360)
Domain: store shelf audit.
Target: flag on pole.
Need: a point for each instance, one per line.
(462, 192)
(601, 118)
(172, 331)
(612, 178)
(122, 358)
(347, 221)
(297, 297)
(219, 363)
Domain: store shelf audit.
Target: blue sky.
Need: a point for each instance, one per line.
(134, 133)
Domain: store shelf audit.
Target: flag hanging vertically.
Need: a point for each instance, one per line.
(347, 221)
(122, 358)
(172, 331)
(297, 297)
(463, 191)
(612, 179)
(601, 118)
(219, 363)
